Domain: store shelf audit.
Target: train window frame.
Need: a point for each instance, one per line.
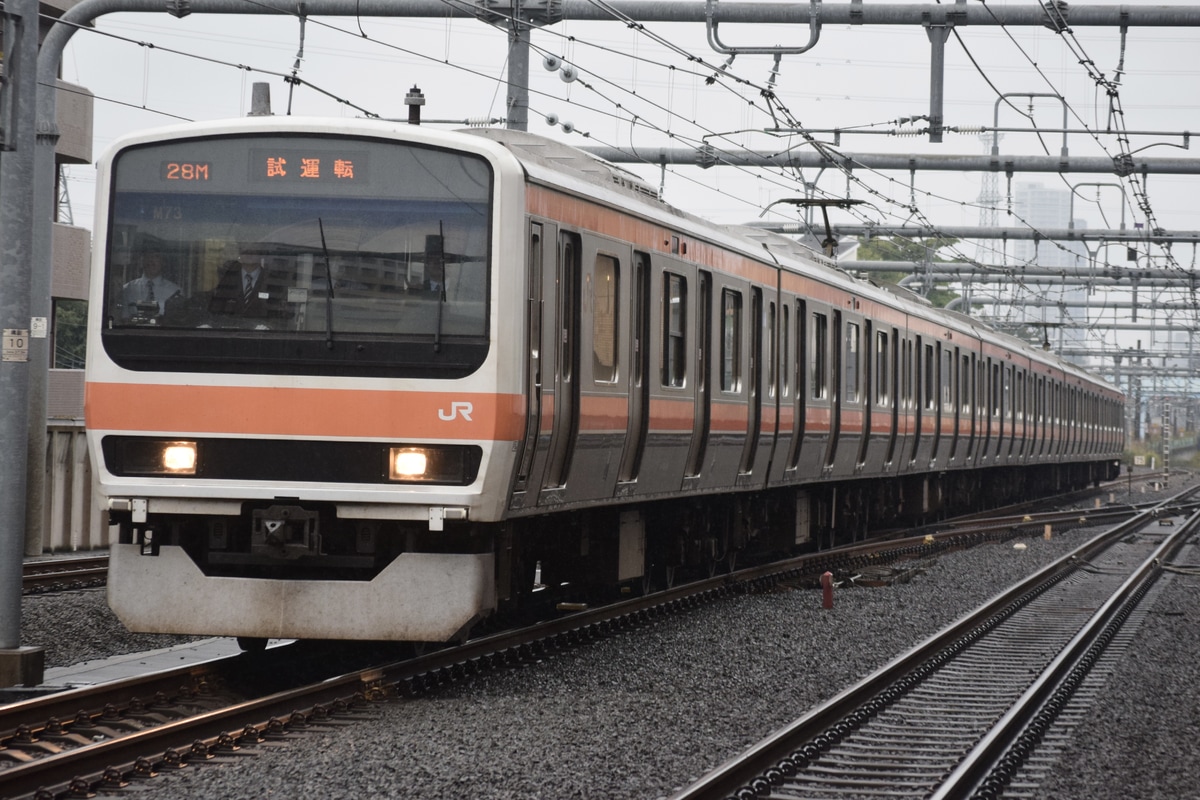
(606, 327)
(197, 334)
(882, 384)
(819, 357)
(731, 341)
(929, 366)
(785, 354)
(946, 378)
(772, 352)
(674, 326)
(852, 362)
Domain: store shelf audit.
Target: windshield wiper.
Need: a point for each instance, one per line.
(329, 287)
(435, 256)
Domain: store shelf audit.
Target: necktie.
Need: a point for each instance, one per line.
(149, 289)
(249, 286)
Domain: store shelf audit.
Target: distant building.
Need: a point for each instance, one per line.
(1046, 208)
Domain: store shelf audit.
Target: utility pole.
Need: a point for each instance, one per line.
(18, 665)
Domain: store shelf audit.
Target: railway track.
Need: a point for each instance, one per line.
(168, 720)
(64, 574)
(959, 715)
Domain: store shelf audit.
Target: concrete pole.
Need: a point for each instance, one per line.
(18, 665)
(518, 74)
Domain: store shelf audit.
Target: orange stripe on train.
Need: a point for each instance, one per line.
(288, 411)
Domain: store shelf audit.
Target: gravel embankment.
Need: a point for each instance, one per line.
(645, 712)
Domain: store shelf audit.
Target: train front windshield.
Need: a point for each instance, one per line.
(298, 254)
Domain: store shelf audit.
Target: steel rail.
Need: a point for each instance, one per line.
(978, 767)
(740, 771)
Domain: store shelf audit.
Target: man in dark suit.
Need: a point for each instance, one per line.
(247, 288)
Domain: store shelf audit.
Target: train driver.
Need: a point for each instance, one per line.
(248, 287)
(145, 297)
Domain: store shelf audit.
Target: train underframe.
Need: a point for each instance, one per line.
(289, 570)
(577, 557)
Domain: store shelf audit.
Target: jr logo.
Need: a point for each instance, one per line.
(457, 409)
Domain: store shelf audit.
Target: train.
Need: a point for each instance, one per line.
(358, 379)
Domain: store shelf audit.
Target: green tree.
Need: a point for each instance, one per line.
(70, 333)
(918, 251)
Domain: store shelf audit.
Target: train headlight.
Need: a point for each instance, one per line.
(454, 465)
(408, 464)
(180, 458)
(155, 457)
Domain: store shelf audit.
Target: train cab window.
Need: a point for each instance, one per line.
(731, 341)
(819, 358)
(370, 260)
(851, 362)
(605, 319)
(882, 384)
(674, 363)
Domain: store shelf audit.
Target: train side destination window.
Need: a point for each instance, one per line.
(605, 319)
(674, 361)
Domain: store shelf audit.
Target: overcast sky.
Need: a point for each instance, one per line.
(864, 77)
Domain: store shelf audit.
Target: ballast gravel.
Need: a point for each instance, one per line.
(645, 712)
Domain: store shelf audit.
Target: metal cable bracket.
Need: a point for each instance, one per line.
(710, 25)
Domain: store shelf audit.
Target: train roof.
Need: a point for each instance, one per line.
(551, 160)
(572, 169)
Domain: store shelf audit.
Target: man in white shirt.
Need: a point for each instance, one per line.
(146, 297)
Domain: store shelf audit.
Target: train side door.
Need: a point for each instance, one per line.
(870, 396)
(566, 361)
(889, 355)
(639, 383)
(702, 414)
(918, 383)
(526, 487)
(834, 352)
(797, 364)
(754, 387)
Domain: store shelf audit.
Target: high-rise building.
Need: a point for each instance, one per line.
(1046, 208)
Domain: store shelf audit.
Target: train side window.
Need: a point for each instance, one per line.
(930, 365)
(772, 352)
(674, 363)
(605, 319)
(731, 341)
(882, 384)
(947, 379)
(819, 359)
(994, 409)
(851, 361)
(785, 354)
(964, 388)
